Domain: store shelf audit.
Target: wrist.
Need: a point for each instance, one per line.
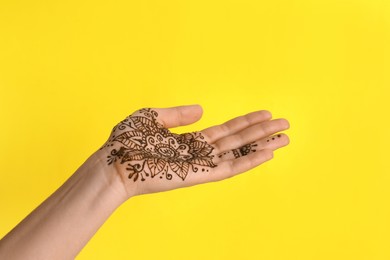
(105, 177)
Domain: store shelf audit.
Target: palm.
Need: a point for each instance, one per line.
(145, 151)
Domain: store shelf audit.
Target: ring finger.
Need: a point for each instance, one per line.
(250, 134)
(272, 143)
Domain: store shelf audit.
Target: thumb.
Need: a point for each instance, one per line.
(179, 116)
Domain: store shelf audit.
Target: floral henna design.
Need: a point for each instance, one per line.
(148, 148)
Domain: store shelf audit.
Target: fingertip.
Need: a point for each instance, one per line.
(287, 139)
(287, 124)
(195, 111)
(198, 107)
(266, 113)
(269, 154)
(283, 140)
(284, 123)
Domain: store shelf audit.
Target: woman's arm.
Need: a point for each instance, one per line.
(141, 156)
(61, 226)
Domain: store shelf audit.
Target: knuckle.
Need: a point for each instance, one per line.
(224, 128)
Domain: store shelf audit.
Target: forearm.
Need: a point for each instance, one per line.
(61, 226)
(141, 156)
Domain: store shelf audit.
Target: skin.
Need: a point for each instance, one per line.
(63, 224)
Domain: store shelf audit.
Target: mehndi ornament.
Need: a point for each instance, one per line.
(148, 148)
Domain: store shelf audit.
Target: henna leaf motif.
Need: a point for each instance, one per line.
(198, 145)
(156, 166)
(180, 168)
(131, 139)
(204, 151)
(143, 123)
(203, 161)
(132, 156)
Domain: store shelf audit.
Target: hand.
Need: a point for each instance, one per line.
(149, 158)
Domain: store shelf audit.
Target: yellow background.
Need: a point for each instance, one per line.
(69, 71)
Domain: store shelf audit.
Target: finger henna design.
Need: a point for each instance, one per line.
(246, 149)
(148, 148)
(273, 138)
(242, 151)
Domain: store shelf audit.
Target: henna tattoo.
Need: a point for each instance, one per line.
(273, 138)
(149, 149)
(246, 149)
(242, 151)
